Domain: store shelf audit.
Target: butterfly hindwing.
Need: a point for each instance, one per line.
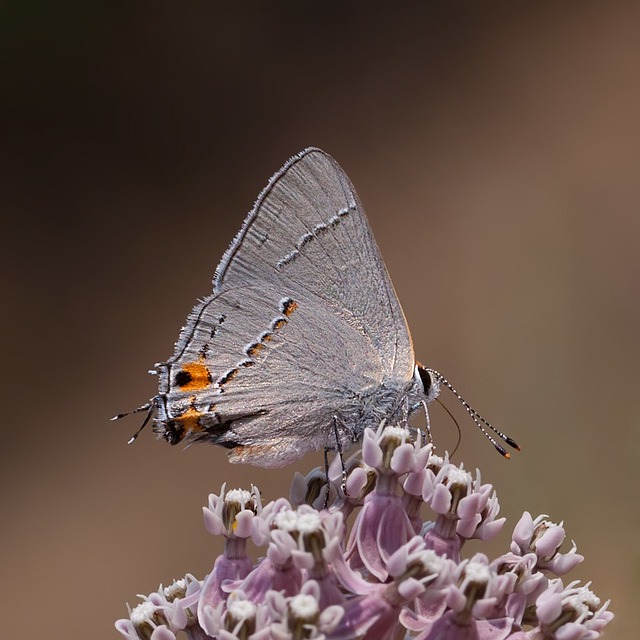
(260, 366)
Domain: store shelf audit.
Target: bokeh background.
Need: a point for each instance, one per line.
(496, 148)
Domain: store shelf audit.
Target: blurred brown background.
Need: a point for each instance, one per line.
(496, 148)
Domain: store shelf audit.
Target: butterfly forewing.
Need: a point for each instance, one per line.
(308, 229)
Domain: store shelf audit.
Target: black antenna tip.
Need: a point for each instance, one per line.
(512, 443)
(502, 451)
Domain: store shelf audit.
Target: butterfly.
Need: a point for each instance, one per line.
(303, 343)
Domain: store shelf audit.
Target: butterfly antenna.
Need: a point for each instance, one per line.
(454, 422)
(149, 408)
(477, 418)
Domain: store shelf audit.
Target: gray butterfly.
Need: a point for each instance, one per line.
(303, 344)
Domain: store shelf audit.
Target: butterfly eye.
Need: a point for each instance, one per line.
(425, 378)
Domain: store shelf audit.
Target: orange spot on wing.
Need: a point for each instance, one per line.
(190, 420)
(198, 375)
(230, 375)
(291, 307)
(255, 349)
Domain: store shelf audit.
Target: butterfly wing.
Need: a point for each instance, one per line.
(303, 323)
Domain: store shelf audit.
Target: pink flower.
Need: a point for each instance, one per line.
(232, 516)
(382, 526)
(302, 616)
(544, 538)
(393, 574)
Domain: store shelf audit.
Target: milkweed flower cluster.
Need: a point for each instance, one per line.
(391, 575)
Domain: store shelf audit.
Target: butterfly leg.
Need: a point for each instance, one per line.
(427, 427)
(405, 412)
(326, 476)
(326, 463)
(339, 450)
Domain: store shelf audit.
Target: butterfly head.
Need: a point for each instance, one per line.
(430, 382)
